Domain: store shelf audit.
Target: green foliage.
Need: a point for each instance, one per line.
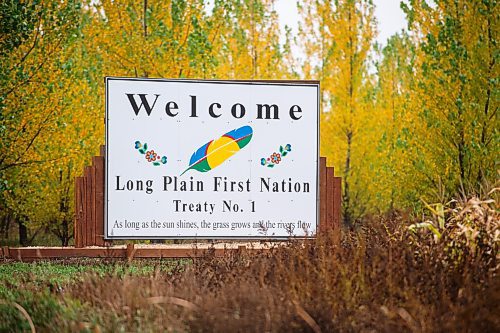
(423, 123)
(465, 227)
(17, 21)
(39, 289)
(456, 86)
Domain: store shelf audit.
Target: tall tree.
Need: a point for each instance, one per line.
(396, 123)
(456, 95)
(151, 38)
(250, 46)
(338, 37)
(33, 36)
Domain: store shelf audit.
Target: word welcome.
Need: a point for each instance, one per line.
(215, 110)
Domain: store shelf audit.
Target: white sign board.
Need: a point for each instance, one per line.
(211, 159)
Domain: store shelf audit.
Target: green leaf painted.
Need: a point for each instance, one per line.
(201, 166)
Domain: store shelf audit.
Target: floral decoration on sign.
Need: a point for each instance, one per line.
(150, 155)
(275, 158)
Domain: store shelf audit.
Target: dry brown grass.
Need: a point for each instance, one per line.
(382, 278)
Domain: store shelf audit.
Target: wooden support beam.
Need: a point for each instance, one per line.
(322, 194)
(81, 211)
(83, 199)
(77, 235)
(30, 254)
(93, 204)
(5, 252)
(89, 208)
(99, 200)
(130, 251)
(330, 205)
(337, 201)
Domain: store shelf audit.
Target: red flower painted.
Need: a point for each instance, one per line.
(276, 158)
(151, 156)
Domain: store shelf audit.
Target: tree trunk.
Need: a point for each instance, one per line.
(23, 233)
(346, 200)
(65, 233)
(6, 226)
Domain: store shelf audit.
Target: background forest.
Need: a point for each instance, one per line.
(409, 123)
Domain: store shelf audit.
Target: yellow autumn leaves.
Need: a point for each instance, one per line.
(415, 118)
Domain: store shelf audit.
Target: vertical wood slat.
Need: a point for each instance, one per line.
(78, 224)
(83, 200)
(322, 193)
(337, 200)
(88, 203)
(83, 213)
(330, 205)
(103, 154)
(93, 202)
(99, 200)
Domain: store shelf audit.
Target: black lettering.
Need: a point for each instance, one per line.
(265, 184)
(144, 102)
(211, 110)
(118, 187)
(193, 106)
(234, 109)
(130, 185)
(171, 106)
(149, 184)
(268, 111)
(295, 109)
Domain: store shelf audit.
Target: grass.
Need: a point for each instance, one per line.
(41, 288)
(383, 277)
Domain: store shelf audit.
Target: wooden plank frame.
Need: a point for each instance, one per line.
(123, 253)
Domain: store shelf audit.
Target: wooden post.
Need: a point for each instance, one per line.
(6, 253)
(322, 193)
(88, 203)
(93, 202)
(99, 200)
(330, 206)
(130, 252)
(78, 224)
(337, 201)
(103, 154)
(84, 211)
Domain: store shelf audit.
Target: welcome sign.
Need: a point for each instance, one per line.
(211, 159)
